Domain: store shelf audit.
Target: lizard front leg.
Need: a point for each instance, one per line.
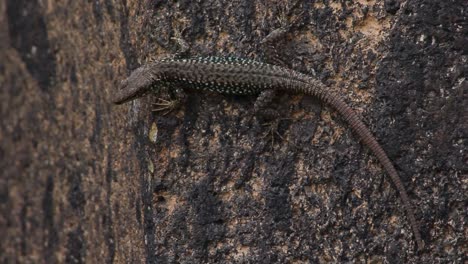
(176, 98)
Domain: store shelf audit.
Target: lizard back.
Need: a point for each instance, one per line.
(229, 75)
(245, 77)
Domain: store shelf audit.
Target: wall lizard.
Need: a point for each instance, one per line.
(248, 77)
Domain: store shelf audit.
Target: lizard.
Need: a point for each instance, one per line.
(238, 76)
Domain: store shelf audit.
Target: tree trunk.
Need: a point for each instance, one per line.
(84, 181)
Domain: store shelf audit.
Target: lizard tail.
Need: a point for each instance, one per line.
(369, 140)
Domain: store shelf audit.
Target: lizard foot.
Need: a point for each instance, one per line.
(274, 131)
(270, 43)
(165, 106)
(183, 46)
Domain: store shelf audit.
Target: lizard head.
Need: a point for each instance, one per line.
(139, 83)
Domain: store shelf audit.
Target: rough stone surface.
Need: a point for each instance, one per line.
(84, 181)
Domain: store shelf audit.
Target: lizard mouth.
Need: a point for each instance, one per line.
(125, 93)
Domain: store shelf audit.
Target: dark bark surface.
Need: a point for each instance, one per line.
(83, 181)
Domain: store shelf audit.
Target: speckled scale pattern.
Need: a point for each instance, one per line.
(232, 75)
(227, 75)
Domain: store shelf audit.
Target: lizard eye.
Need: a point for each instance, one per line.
(123, 84)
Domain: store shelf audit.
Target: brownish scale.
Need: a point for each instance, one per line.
(247, 77)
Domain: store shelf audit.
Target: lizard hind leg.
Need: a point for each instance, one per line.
(268, 117)
(269, 44)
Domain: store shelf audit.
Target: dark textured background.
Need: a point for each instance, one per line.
(84, 181)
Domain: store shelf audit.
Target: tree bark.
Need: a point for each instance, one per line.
(84, 181)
